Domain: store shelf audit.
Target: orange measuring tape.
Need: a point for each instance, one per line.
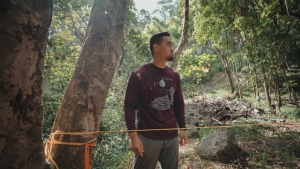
(87, 146)
(92, 142)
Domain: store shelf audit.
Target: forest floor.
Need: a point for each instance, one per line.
(265, 148)
(273, 145)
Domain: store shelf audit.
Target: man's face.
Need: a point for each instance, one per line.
(166, 48)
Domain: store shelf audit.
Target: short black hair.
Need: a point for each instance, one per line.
(157, 39)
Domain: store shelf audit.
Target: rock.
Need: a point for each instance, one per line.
(221, 147)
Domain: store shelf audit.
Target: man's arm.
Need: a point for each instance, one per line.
(183, 137)
(131, 103)
(179, 113)
(136, 144)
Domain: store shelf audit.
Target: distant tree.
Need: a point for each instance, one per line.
(265, 33)
(184, 35)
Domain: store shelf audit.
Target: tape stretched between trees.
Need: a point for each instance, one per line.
(92, 142)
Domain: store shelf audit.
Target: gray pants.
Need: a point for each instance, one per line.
(164, 151)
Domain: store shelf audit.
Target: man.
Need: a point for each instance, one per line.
(154, 90)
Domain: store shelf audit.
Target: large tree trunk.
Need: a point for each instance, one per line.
(82, 106)
(184, 35)
(23, 38)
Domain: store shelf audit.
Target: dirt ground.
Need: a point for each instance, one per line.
(263, 152)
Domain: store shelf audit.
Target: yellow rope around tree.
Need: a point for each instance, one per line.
(92, 142)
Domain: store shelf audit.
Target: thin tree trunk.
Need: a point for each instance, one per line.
(286, 81)
(184, 35)
(23, 38)
(224, 63)
(277, 91)
(252, 61)
(82, 105)
(256, 84)
(255, 75)
(240, 87)
(295, 99)
(266, 84)
(227, 70)
(229, 79)
(291, 90)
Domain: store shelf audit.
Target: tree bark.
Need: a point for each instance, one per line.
(256, 92)
(277, 90)
(240, 87)
(227, 70)
(286, 81)
(82, 105)
(224, 63)
(291, 90)
(266, 84)
(256, 84)
(23, 38)
(252, 62)
(184, 36)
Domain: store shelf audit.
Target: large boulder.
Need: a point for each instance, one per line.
(221, 147)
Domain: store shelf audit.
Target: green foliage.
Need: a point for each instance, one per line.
(61, 56)
(259, 33)
(52, 96)
(202, 133)
(247, 132)
(250, 35)
(192, 63)
(290, 113)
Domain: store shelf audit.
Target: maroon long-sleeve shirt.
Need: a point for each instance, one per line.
(156, 94)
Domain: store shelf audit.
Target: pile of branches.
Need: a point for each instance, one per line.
(221, 110)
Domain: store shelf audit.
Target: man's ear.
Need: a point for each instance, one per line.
(156, 47)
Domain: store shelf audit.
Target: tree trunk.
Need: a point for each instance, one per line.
(286, 81)
(227, 70)
(291, 90)
(184, 35)
(23, 38)
(256, 92)
(123, 54)
(256, 84)
(252, 61)
(277, 90)
(253, 67)
(240, 87)
(266, 85)
(82, 105)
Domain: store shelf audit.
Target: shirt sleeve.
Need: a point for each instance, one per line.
(132, 100)
(179, 105)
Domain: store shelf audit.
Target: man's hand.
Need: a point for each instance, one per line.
(183, 137)
(136, 144)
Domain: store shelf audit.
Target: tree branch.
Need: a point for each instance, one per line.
(184, 35)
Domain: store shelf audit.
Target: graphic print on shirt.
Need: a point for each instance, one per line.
(164, 102)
